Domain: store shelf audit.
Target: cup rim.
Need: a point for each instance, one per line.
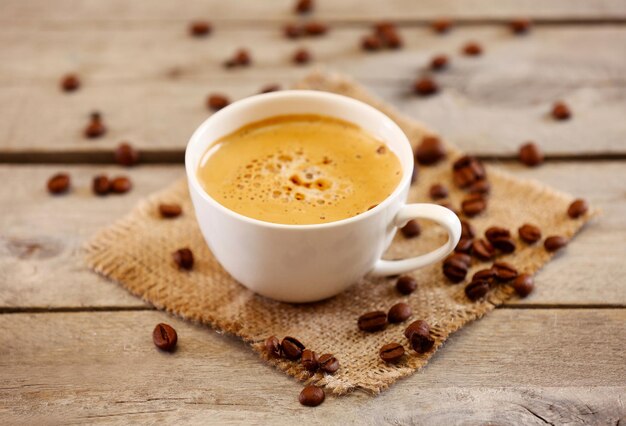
(195, 139)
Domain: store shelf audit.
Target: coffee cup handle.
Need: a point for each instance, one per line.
(442, 216)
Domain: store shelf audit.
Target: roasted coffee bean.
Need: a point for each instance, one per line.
(505, 245)
(371, 42)
(101, 185)
(96, 127)
(441, 26)
(391, 39)
(164, 337)
(270, 88)
(217, 101)
(472, 49)
(315, 28)
(126, 155)
(200, 28)
(529, 233)
(524, 285)
(467, 230)
(464, 246)
(304, 6)
(241, 58)
(293, 31)
(438, 191)
(494, 232)
(292, 348)
(425, 86)
(560, 111)
(406, 284)
(272, 346)
(485, 275)
(418, 326)
(421, 342)
(474, 204)
(481, 186)
(439, 62)
(530, 154)
(310, 360)
(412, 229)
(504, 272)
(311, 396)
(121, 185)
(399, 312)
(520, 26)
(70, 83)
(430, 151)
(329, 363)
(383, 27)
(477, 289)
(170, 210)
(578, 208)
(455, 267)
(555, 242)
(391, 352)
(467, 170)
(373, 321)
(301, 57)
(183, 258)
(482, 249)
(59, 183)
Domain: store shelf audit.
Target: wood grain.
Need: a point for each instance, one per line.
(41, 236)
(103, 367)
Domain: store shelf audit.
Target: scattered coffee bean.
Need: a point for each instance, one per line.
(101, 185)
(530, 154)
(482, 249)
(554, 243)
(560, 111)
(170, 210)
(467, 230)
(412, 229)
(310, 360)
(430, 151)
(391, 39)
(494, 232)
(293, 31)
(477, 289)
(500, 238)
(121, 185)
(399, 312)
(270, 88)
(242, 58)
(529, 233)
(216, 102)
(200, 28)
(304, 6)
(164, 337)
(418, 334)
(474, 204)
(485, 275)
(272, 346)
(467, 170)
(292, 348)
(439, 62)
(384, 27)
(464, 246)
(301, 57)
(441, 26)
(455, 267)
(371, 42)
(524, 285)
(59, 183)
(314, 28)
(438, 191)
(520, 26)
(425, 86)
(183, 258)
(481, 186)
(406, 284)
(329, 363)
(373, 321)
(126, 155)
(96, 127)
(419, 326)
(70, 83)
(311, 396)
(391, 352)
(472, 49)
(504, 272)
(578, 208)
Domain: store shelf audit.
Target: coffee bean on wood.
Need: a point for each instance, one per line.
(96, 127)
(311, 396)
(164, 337)
(121, 185)
(560, 111)
(472, 49)
(530, 154)
(520, 26)
(59, 183)
(200, 28)
(301, 57)
(425, 86)
(439, 62)
(524, 285)
(126, 155)
(70, 83)
(372, 321)
(441, 26)
(101, 185)
(217, 101)
(554, 243)
(577, 208)
(304, 6)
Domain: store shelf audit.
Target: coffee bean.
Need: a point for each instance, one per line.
(467, 170)
(482, 249)
(578, 208)
(270, 88)
(183, 258)
(126, 155)
(524, 285)
(406, 284)
(500, 238)
(520, 26)
(477, 289)
(314, 28)
(560, 111)
(293, 31)
(310, 360)
(170, 210)
(439, 62)
(121, 185)
(484, 275)
(504, 272)
(481, 186)
(59, 183)
(472, 49)
(474, 204)
(200, 28)
(272, 346)
(383, 27)
(311, 396)
(438, 191)
(420, 339)
(216, 102)
(554, 243)
(164, 337)
(425, 86)
(373, 321)
(530, 154)
(292, 348)
(467, 230)
(464, 246)
(430, 151)
(412, 229)
(418, 326)
(399, 312)
(101, 185)
(529, 233)
(96, 127)
(70, 83)
(455, 267)
(494, 232)
(390, 38)
(301, 57)
(391, 352)
(304, 6)
(242, 58)
(441, 26)
(329, 363)
(371, 42)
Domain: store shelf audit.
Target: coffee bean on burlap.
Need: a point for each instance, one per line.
(418, 325)
(477, 289)
(406, 284)
(292, 348)
(482, 249)
(484, 274)
(310, 360)
(438, 191)
(474, 204)
(481, 186)
(455, 267)
(504, 272)
(391, 352)
(399, 312)
(554, 243)
(430, 151)
(170, 210)
(577, 208)
(272, 346)
(329, 363)
(467, 230)
(464, 246)
(529, 233)
(467, 170)
(183, 258)
(412, 229)
(372, 321)
(164, 337)
(418, 333)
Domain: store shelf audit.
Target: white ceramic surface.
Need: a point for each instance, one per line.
(306, 263)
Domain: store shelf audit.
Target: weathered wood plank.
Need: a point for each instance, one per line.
(41, 236)
(127, 75)
(103, 367)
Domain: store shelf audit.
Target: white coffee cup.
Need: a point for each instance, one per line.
(306, 263)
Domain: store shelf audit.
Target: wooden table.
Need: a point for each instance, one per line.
(77, 348)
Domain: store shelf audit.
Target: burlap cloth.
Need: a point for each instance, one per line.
(136, 252)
